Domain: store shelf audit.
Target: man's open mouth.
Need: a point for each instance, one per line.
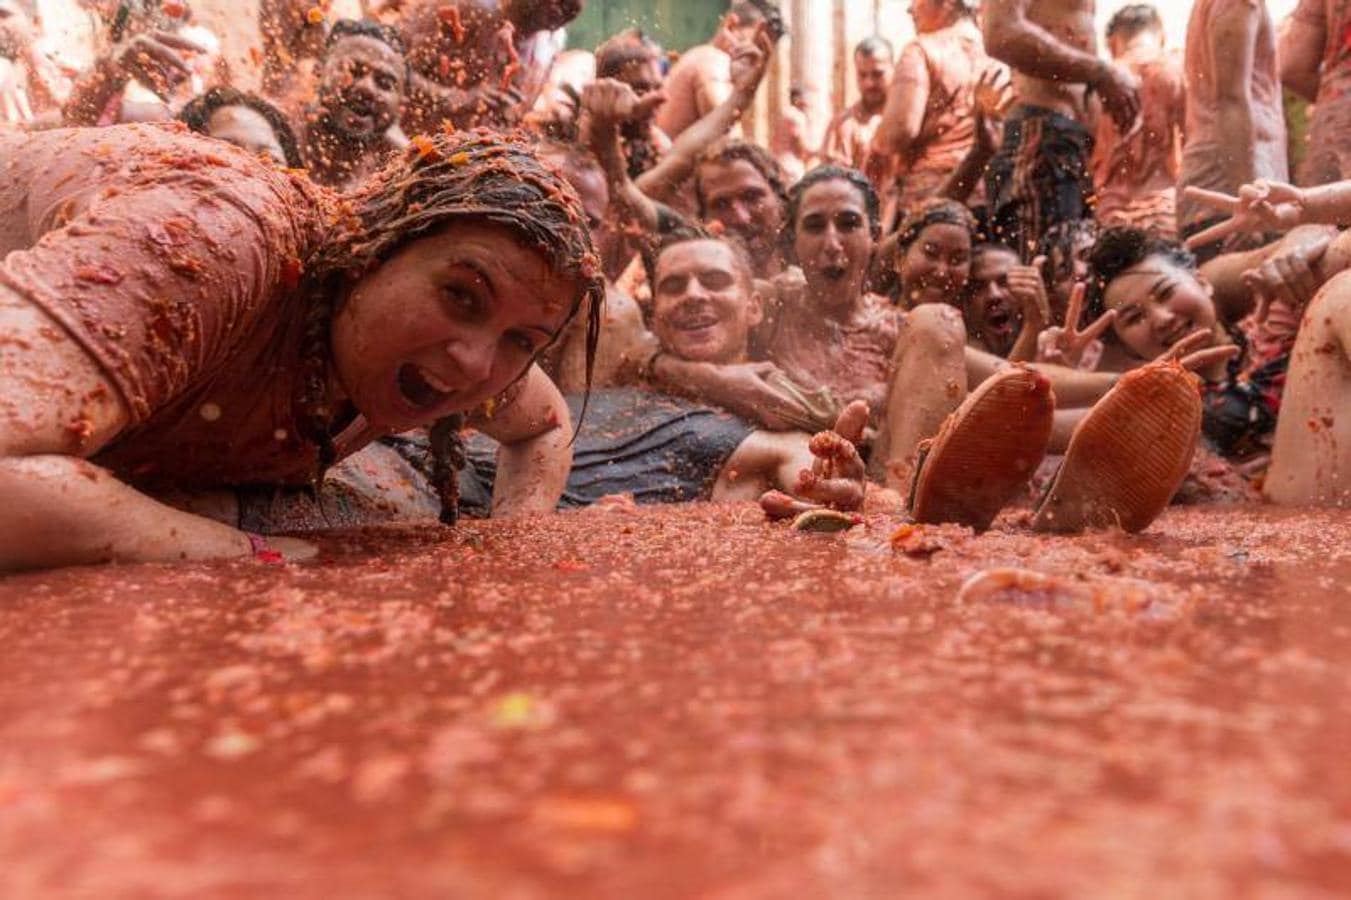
(421, 388)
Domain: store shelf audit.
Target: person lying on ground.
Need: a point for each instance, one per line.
(243, 326)
(648, 446)
(245, 120)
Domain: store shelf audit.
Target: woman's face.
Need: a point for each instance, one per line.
(832, 240)
(246, 127)
(1158, 303)
(446, 324)
(936, 266)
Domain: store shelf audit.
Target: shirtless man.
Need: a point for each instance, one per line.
(702, 78)
(1040, 176)
(850, 134)
(1316, 64)
(635, 59)
(1235, 117)
(1136, 173)
(361, 89)
(791, 142)
(478, 62)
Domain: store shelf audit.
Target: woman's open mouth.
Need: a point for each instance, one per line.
(834, 273)
(422, 389)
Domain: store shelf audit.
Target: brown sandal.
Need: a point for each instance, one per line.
(985, 451)
(1129, 456)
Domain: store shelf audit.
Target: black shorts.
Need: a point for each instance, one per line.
(1039, 178)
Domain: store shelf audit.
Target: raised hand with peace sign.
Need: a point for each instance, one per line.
(1259, 207)
(1067, 344)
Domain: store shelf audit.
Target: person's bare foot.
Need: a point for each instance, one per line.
(985, 451)
(1128, 457)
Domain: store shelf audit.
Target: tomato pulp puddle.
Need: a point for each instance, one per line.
(687, 701)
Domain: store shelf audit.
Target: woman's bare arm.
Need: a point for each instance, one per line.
(535, 433)
(57, 409)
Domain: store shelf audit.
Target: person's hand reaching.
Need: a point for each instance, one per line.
(836, 478)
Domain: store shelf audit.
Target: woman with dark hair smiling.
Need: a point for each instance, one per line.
(182, 318)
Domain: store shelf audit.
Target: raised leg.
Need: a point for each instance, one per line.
(1311, 462)
(928, 382)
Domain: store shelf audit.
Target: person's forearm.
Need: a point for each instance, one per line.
(1235, 137)
(1328, 204)
(63, 511)
(91, 93)
(968, 174)
(631, 204)
(1072, 387)
(1034, 51)
(1025, 346)
(531, 474)
(665, 178)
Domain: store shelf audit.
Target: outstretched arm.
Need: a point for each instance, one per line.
(59, 509)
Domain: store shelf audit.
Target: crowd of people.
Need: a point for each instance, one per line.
(435, 263)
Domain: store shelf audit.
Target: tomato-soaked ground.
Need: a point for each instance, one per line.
(687, 701)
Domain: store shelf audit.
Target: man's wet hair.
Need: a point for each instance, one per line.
(731, 150)
(753, 12)
(872, 204)
(1122, 248)
(875, 47)
(690, 233)
(629, 46)
(1134, 19)
(197, 113)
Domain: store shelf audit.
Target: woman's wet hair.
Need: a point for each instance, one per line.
(820, 175)
(476, 177)
(934, 211)
(1120, 249)
(730, 151)
(197, 113)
